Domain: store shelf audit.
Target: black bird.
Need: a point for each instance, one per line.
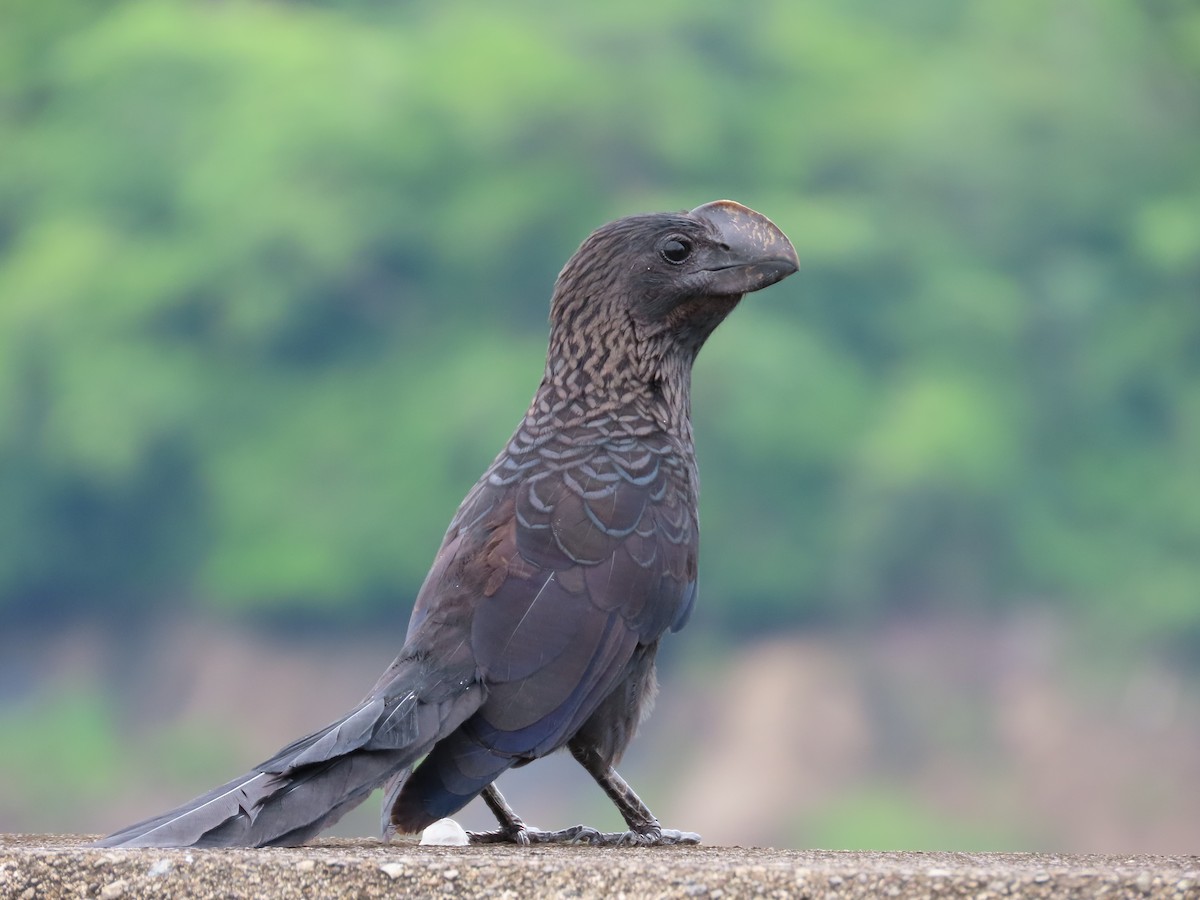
(538, 623)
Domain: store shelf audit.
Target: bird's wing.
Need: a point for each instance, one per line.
(562, 562)
(583, 561)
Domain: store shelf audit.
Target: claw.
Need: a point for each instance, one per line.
(518, 836)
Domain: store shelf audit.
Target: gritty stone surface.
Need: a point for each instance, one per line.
(52, 866)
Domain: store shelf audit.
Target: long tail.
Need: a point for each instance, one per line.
(313, 782)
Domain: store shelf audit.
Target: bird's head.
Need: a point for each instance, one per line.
(669, 277)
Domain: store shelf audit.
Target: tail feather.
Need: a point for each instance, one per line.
(310, 784)
(187, 826)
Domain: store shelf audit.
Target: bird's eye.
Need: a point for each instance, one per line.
(676, 250)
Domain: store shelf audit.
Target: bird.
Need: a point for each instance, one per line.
(562, 570)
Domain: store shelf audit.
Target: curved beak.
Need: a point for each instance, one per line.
(754, 253)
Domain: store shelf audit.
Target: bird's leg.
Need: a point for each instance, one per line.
(643, 826)
(511, 831)
(644, 829)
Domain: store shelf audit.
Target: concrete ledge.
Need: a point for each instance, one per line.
(51, 866)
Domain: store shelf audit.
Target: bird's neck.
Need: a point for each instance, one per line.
(619, 380)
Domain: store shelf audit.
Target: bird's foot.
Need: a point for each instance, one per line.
(517, 833)
(582, 834)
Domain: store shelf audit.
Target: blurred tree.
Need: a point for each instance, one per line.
(273, 281)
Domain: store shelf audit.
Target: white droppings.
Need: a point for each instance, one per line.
(444, 833)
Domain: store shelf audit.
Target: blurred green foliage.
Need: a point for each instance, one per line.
(273, 280)
(65, 754)
(888, 816)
